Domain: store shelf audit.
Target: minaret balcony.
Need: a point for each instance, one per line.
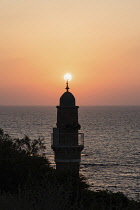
(67, 139)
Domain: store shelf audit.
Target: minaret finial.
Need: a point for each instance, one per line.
(67, 86)
(67, 77)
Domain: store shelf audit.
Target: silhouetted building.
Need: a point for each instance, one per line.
(67, 142)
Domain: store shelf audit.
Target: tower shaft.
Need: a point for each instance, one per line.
(67, 142)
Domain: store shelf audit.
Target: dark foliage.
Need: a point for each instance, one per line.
(20, 163)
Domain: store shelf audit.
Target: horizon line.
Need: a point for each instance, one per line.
(78, 105)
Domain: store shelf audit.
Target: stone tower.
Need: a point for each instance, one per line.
(67, 142)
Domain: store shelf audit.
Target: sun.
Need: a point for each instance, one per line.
(67, 77)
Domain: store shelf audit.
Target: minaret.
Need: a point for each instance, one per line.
(67, 142)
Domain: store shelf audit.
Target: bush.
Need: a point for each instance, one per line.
(20, 162)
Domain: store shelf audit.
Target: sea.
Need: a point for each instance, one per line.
(111, 156)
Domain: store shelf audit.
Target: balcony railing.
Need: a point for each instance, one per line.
(67, 139)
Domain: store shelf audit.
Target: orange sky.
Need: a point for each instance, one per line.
(98, 42)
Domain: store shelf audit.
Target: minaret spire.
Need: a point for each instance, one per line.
(67, 86)
(67, 77)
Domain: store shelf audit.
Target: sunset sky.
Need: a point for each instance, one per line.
(97, 41)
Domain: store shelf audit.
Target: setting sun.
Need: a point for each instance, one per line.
(67, 77)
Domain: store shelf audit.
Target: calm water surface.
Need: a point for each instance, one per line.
(111, 158)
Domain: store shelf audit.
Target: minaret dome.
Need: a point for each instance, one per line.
(67, 100)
